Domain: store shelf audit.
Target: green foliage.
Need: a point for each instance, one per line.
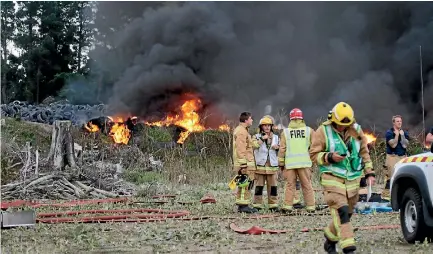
(53, 39)
(159, 134)
(142, 177)
(23, 132)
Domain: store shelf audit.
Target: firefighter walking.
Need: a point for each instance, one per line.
(243, 163)
(295, 161)
(340, 150)
(265, 145)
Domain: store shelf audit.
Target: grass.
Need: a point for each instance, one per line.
(202, 236)
(205, 161)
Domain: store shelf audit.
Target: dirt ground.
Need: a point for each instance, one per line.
(202, 236)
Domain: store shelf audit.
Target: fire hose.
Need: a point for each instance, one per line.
(149, 215)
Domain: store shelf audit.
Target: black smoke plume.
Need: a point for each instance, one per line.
(242, 56)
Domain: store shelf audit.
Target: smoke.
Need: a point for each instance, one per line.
(243, 56)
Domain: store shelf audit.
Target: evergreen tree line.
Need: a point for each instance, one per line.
(45, 45)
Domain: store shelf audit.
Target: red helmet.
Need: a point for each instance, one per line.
(296, 113)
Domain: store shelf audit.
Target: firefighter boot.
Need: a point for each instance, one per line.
(246, 209)
(330, 246)
(258, 198)
(349, 250)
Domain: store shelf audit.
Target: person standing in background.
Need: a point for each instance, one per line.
(397, 141)
(295, 162)
(243, 163)
(265, 144)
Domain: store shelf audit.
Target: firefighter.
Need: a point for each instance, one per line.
(397, 141)
(340, 150)
(243, 163)
(265, 145)
(295, 161)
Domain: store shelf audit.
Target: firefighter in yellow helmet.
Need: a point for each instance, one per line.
(295, 161)
(243, 163)
(340, 151)
(265, 145)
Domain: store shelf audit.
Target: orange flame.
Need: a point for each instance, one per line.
(224, 127)
(91, 127)
(370, 138)
(119, 131)
(189, 119)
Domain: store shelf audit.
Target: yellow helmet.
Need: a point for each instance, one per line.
(266, 120)
(342, 114)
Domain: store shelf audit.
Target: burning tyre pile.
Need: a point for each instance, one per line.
(185, 118)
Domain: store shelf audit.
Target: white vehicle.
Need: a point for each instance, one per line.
(412, 194)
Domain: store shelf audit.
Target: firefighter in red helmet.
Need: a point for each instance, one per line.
(294, 160)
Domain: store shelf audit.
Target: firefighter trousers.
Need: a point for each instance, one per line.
(290, 176)
(271, 183)
(243, 195)
(341, 196)
(391, 160)
(297, 195)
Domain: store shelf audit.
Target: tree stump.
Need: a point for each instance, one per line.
(62, 146)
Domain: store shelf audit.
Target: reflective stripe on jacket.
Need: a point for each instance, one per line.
(295, 148)
(242, 148)
(266, 151)
(322, 145)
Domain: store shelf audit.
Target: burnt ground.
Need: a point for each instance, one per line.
(202, 236)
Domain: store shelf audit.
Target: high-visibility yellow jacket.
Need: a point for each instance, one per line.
(294, 144)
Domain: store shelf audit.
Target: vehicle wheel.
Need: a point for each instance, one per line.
(412, 217)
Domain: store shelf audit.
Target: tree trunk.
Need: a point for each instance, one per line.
(62, 146)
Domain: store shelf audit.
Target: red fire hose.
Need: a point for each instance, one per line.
(255, 230)
(35, 204)
(126, 215)
(148, 215)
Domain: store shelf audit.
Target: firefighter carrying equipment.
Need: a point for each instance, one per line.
(340, 181)
(342, 114)
(243, 164)
(245, 183)
(232, 183)
(242, 149)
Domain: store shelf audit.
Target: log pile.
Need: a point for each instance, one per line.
(59, 177)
